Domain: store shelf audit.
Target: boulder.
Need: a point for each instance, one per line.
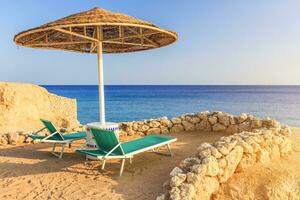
(218, 127)
(194, 120)
(153, 131)
(166, 123)
(212, 120)
(243, 117)
(204, 125)
(22, 111)
(164, 130)
(244, 126)
(176, 171)
(177, 180)
(154, 124)
(208, 186)
(223, 119)
(187, 191)
(212, 166)
(177, 128)
(143, 128)
(203, 115)
(176, 120)
(247, 161)
(233, 159)
(188, 126)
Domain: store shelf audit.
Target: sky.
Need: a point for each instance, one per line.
(220, 43)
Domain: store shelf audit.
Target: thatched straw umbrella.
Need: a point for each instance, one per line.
(97, 31)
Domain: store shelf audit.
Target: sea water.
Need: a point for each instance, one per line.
(129, 103)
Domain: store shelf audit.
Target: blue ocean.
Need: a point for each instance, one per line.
(128, 103)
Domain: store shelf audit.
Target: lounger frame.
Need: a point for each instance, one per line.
(129, 156)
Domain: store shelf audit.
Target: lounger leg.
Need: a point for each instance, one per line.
(103, 164)
(169, 148)
(62, 151)
(70, 145)
(122, 166)
(130, 160)
(53, 148)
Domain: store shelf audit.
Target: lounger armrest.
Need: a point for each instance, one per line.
(35, 133)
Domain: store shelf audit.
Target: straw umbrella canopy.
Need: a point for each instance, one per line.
(97, 31)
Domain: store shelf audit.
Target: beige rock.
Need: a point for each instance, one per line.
(177, 128)
(233, 120)
(153, 131)
(143, 128)
(233, 159)
(176, 120)
(218, 127)
(187, 191)
(135, 126)
(13, 138)
(215, 152)
(193, 178)
(285, 130)
(205, 153)
(208, 186)
(222, 148)
(3, 139)
(176, 171)
(204, 125)
(187, 163)
(194, 120)
(243, 117)
(164, 130)
(244, 126)
(166, 123)
(188, 126)
(22, 111)
(212, 120)
(177, 180)
(203, 115)
(199, 169)
(222, 163)
(247, 161)
(256, 124)
(161, 197)
(212, 166)
(263, 156)
(154, 124)
(223, 119)
(203, 146)
(175, 194)
(246, 147)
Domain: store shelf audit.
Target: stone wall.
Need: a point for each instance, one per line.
(202, 121)
(23, 105)
(252, 141)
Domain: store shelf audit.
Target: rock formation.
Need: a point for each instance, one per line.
(23, 105)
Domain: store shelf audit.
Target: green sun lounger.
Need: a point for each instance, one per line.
(109, 147)
(56, 137)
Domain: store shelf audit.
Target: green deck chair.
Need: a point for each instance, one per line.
(56, 137)
(109, 146)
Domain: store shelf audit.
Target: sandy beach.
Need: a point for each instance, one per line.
(31, 172)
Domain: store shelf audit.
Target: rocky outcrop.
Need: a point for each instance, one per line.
(23, 105)
(200, 176)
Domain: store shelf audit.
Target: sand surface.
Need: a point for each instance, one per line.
(30, 172)
(278, 180)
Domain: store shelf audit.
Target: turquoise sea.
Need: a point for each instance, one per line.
(128, 103)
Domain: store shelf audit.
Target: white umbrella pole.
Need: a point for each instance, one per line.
(101, 85)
